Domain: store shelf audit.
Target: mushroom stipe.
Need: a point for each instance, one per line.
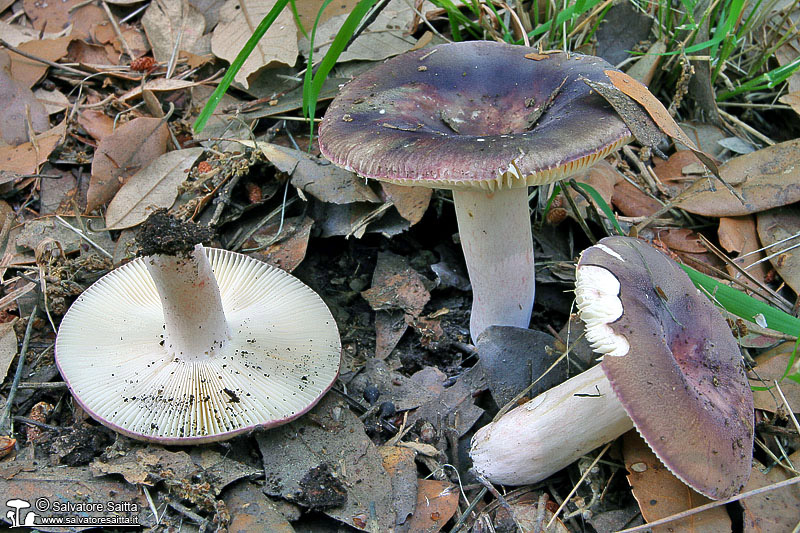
(670, 367)
(483, 120)
(197, 348)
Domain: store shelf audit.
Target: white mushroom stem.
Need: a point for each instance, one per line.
(544, 435)
(495, 232)
(194, 321)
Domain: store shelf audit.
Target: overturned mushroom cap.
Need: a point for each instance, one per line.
(671, 360)
(464, 115)
(283, 355)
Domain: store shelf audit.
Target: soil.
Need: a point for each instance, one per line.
(164, 234)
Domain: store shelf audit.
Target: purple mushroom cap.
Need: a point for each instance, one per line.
(463, 115)
(681, 380)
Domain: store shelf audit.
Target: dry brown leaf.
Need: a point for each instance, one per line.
(26, 158)
(399, 463)
(658, 113)
(166, 21)
(681, 240)
(20, 107)
(315, 176)
(8, 347)
(53, 101)
(632, 202)
(776, 225)
(158, 84)
(738, 234)
(767, 178)
(50, 16)
(154, 186)
(134, 37)
(776, 510)
(285, 251)
(278, 45)
(771, 366)
(96, 123)
(307, 12)
(651, 104)
(27, 71)
(386, 36)
(131, 147)
(80, 51)
(660, 494)
(410, 202)
(437, 502)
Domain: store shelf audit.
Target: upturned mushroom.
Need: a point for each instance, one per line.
(481, 119)
(670, 367)
(191, 344)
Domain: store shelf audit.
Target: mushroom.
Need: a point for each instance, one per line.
(485, 121)
(670, 367)
(191, 344)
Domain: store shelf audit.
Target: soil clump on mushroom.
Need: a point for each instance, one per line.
(164, 234)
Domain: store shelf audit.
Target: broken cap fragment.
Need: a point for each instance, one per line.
(670, 367)
(185, 371)
(480, 118)
(682, 381)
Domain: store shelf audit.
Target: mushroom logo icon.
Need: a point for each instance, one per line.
(13, 516)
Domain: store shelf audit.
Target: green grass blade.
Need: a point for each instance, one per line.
(744, 306)
(567, 14)
(296, 15)
(248, 48)
(601, 203)
(768, 80)
(308, 78)
(332, 55)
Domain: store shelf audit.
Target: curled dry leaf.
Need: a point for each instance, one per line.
(26, 158)
(8, 347)
(738, 234)
(19, 107)
(777, 510)
(771, 366)
(131, 147)
(660, 494)
(153, 187)
(437, 502)
(27, 71)
(767, 178)
(317, 176)
(279, 44)
(285, 250)
(167, 21)
(410, 202)
(776, 225)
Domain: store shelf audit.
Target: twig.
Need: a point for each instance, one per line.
(114, 25)
(745, 127)
(83, 236)
(700, 509)
(5, 418)
(53, 64)
(41, 385)
(578, 484)
(469, 509)
(578, 217)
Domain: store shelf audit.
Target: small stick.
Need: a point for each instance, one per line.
(695, 510)
(53, 64)
(578, 484)
(40, 385)
(114, 25)
(5, 418)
